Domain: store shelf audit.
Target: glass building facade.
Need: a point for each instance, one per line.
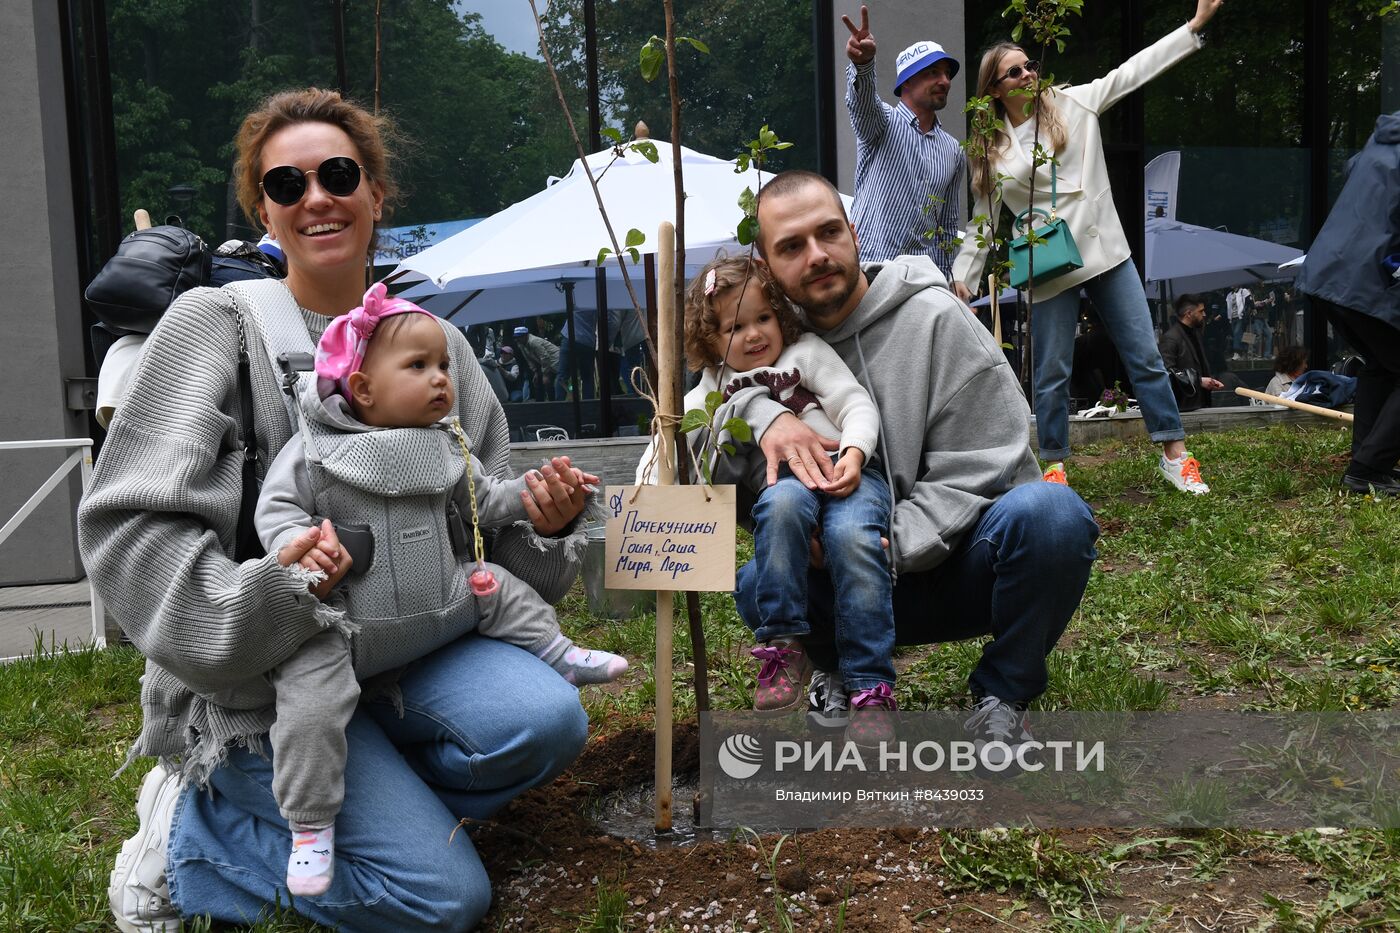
(1264, 117)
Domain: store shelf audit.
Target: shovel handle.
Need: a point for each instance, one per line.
(1301, 406)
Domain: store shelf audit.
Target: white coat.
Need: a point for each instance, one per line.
(1085, 199)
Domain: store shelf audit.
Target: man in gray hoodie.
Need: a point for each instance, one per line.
(979, 544)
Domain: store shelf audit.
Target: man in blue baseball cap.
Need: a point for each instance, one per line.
(909, 170)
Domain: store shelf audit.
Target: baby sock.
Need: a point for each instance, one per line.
(312, 863)
(582, 665)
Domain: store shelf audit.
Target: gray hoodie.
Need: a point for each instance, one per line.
(954, 426)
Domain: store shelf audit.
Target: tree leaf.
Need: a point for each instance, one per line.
(740, 429)
(748, 202)
(612, 132)
(636, 256)
(648, 151)
(712, 402)
(728, 448)
(696, 44)
(651, 59)
(693, 419)
(747, 232)
(635, 237)
(603, 255)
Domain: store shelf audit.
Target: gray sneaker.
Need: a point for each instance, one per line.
(1000, 724)
(828, 703)
(136, 889)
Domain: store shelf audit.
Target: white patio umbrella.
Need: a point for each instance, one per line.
(560, 226)
(1200, 259)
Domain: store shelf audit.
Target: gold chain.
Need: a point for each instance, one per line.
(479, 549)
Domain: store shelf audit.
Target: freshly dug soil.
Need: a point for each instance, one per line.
(552, 866)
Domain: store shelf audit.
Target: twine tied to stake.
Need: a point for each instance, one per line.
(660, 421)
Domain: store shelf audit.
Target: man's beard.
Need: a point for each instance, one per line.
(818, 309)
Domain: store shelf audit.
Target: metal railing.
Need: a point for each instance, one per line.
(81, 457)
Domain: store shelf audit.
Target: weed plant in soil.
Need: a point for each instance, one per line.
(1274, 592)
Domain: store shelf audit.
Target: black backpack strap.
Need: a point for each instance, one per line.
(246, 544)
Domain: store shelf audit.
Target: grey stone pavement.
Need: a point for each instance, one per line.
(60, 612)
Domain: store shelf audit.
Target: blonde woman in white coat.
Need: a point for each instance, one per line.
(1069, 127)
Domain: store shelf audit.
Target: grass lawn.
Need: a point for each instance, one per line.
(1274, 592)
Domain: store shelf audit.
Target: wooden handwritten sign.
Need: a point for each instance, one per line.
(670, 538)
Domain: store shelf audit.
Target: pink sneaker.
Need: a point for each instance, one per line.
(782, 680)
(873, 717)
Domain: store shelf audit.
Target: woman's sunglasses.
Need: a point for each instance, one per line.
(286, 184)
(1015, 71)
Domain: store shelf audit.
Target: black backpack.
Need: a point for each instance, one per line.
(152, 268)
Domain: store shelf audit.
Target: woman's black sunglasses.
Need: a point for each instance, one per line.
(1015, 71)
(286, 184)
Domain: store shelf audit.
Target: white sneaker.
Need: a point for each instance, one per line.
(136, 888)
(1184, 474)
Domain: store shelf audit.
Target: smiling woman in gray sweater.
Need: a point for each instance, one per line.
(455, 734)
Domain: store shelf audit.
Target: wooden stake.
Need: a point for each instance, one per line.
(668, 405)
(1301, 406)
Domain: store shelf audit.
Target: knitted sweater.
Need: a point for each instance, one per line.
(809, 380)
(156, 529)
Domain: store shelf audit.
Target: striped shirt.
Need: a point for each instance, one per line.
(908, 183)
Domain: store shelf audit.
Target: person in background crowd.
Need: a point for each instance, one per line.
(1289, 364)
(577, 347)
(1352, 265)
(909, 170)
(543, 358)
(1237, 303)
(509, 369)
(1183, 352)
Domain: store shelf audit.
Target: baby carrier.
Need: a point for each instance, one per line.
(389, 493)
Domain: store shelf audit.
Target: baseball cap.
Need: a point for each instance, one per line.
(507, 351)
(916, 58)
(521, 331)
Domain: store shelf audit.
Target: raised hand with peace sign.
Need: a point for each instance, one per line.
(860, 47)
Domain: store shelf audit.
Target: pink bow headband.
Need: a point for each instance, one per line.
(342, 347)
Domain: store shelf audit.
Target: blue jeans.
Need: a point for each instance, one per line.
(1122, 304)
(785, 517)
(1017, 575)
(1237, 335)
(1263, 338)
(568, 350)
(483, 721)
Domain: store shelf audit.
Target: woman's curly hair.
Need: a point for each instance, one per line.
(702, 320)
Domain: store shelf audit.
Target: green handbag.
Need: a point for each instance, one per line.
(1055, 252)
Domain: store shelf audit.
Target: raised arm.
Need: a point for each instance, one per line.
(870, 115)
(1147, 64)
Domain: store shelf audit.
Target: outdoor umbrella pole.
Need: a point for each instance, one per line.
(1301, 406)
(572, 376)
(667, 410)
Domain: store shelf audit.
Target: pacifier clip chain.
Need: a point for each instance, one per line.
(483, 581)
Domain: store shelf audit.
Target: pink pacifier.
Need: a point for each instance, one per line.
(483, 582)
